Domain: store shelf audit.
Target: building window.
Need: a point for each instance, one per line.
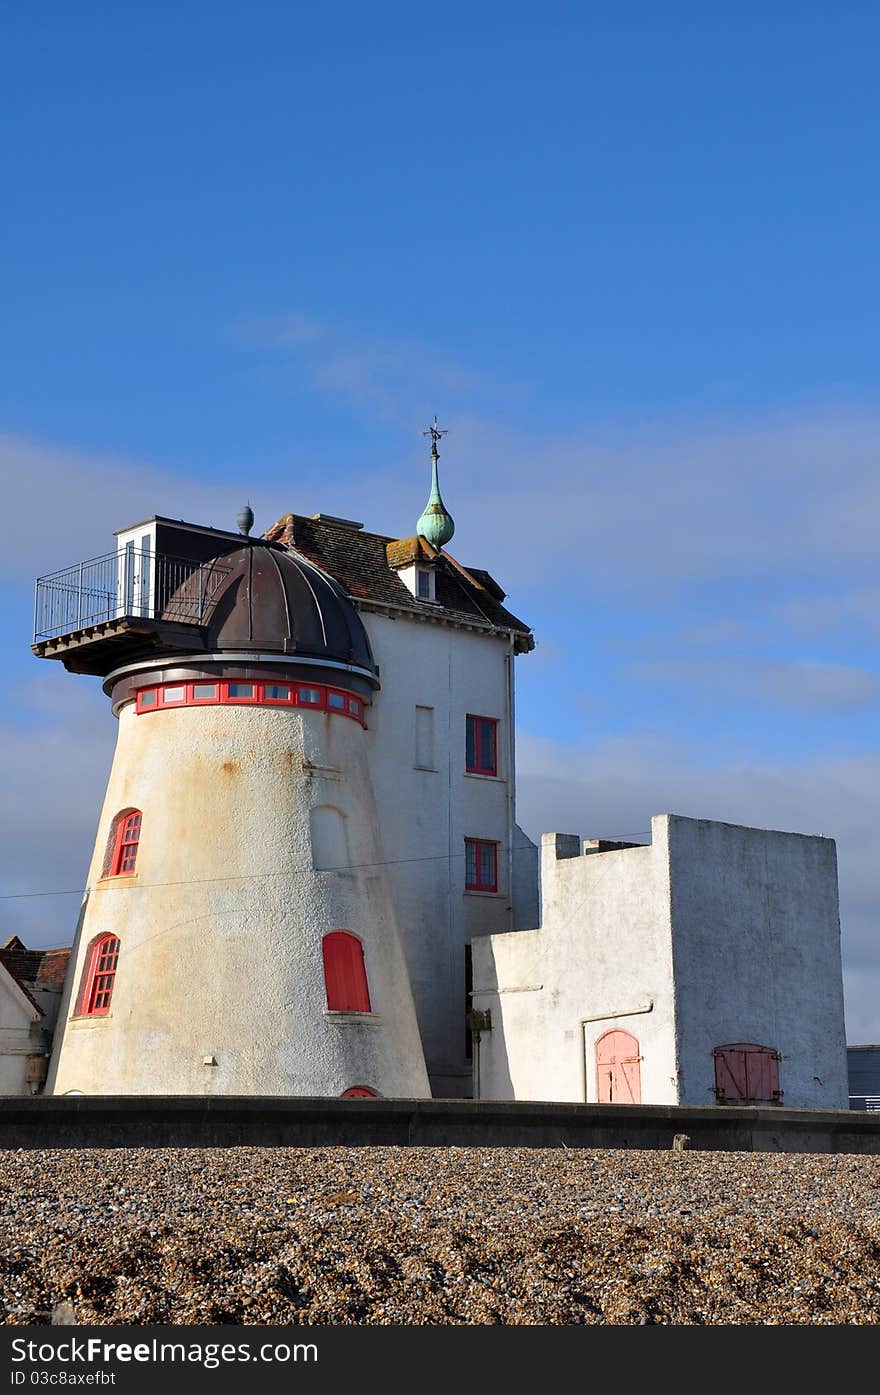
(329, 839)
(746, 1074)
(345, 975)
(424, 752)
(99, 977)
(359, 1092)
(125, 844)
(481, 745)
(259, 694)
(481, 865)
(423, 585)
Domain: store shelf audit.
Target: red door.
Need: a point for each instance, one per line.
(617, 1069)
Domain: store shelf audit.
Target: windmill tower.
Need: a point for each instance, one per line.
(238, 934)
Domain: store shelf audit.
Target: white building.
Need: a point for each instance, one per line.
(310, 828)
(310, 811)
(703, 968)
(31, 982)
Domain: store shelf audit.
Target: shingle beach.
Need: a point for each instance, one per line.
(439, 1236)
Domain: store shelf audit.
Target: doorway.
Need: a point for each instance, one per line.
(618, 1073)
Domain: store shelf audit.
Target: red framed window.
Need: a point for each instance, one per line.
(261, 694)
(359, 1092)
(345, 974)
(100, 976)
(125, 848)
(481, 865)
(746, 1073)
(481, 745)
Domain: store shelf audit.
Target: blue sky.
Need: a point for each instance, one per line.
(627, 252)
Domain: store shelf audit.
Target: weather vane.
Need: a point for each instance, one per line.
(435, 432)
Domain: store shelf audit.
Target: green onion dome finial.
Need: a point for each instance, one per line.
(436, 524)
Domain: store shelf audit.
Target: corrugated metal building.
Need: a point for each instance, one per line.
(863, 1063)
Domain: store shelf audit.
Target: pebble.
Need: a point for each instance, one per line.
(415, 1236)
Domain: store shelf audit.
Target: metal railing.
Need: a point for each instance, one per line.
(134, 583)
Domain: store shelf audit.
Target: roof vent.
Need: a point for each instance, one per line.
(339, 522)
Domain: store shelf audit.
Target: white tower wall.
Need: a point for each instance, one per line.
(221, 926)
(713, 935)
(433, 675)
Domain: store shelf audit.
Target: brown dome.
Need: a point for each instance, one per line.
(266, 598)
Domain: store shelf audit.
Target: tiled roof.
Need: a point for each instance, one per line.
(37, 968)
(359, 561)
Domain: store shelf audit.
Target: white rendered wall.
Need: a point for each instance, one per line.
(602, 953)
(426, 814)
(756, 947)
(745, 919)
(17, 1022)
(221, 926)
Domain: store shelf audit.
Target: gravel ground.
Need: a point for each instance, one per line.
(438, 1235)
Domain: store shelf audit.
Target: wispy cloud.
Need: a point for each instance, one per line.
(389, 379)
(805, 686)
(842, 612)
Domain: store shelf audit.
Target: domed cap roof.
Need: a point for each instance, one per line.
(263, 597)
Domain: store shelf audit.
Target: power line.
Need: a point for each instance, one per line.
(286, 872)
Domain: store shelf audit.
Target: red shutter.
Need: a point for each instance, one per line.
(747, 1073)
(345, 976)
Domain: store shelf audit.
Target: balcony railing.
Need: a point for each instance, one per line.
(133, 584)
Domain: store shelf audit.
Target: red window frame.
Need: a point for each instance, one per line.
(191, 694)
(477, 881)
(338, 701)
(100, 977)
(126, 844)
(345, 973)
(278, 701)
(184, 688)
(253, 697)
(474, 762)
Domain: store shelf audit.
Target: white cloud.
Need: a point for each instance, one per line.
(393, 380)
(846, 612)
(805, 686)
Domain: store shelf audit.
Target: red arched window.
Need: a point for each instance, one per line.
(359, 1092)
(746, 1073)
(345, 976)
(125, 844)
(99, 976)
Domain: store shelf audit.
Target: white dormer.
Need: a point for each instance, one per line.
(420, 581)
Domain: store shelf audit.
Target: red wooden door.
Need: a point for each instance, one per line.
(617, 1069)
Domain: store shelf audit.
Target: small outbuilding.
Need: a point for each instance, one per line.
(702, 968)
